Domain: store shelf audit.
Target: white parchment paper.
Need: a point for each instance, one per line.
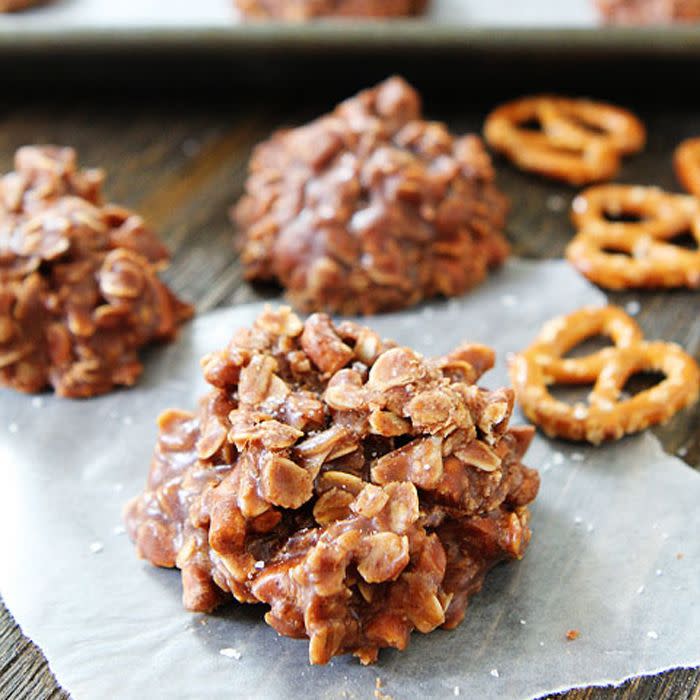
(610, 526)
(157, 14)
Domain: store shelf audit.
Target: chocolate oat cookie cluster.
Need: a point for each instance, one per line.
(308, 9)
(79, 286)
(358, 488)
(371, 208)
(651, 12)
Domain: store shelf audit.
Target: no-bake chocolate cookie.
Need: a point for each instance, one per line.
(297, 10)
(359, 489)
(16, 5)
(371, 208)
(79, 287)
(649, 11)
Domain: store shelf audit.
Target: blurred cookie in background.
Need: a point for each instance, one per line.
(300, 10)
(649, 11)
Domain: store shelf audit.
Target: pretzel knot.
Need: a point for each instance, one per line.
(606, 415)
(638, 253)
(686, 161)
(580, 141)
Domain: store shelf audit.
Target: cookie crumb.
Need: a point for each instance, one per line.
(378, 694)
(571, 635)
(679, 555)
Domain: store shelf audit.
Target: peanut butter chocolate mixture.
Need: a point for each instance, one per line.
(371, 208)
(296, 10)
(358, 488)
(79, 290)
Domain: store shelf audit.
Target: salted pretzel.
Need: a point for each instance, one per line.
(580, 141)
(606, 415)
(686, 161)
(635, 254)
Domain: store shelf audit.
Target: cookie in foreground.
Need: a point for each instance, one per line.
(79, 285)
(371, 208)
(299, 10)
(359, 489)
(607, 414)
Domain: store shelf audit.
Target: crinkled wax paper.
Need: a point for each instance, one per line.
(610, 526)
(220, 13)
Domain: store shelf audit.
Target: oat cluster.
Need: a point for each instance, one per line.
(371, 208)
(358, 488)
(79, 286)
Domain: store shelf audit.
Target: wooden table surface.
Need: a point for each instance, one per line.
(182, 166)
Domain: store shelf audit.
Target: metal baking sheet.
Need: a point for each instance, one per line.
(539, 26)
(614, 552)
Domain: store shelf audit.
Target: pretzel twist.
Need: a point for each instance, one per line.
(686, 161)
(605, 416)
(635, 254)
(581, 141)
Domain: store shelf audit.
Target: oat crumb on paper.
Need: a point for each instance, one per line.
(572, 635)
(118, 530)
(494, 673)
(652, 635)
(680, 555)
(640, 590)
(96, 547)
(37, 402)
(378, 694)
(523, 622)
(455, 690)
(13, 428)
(577, 457)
